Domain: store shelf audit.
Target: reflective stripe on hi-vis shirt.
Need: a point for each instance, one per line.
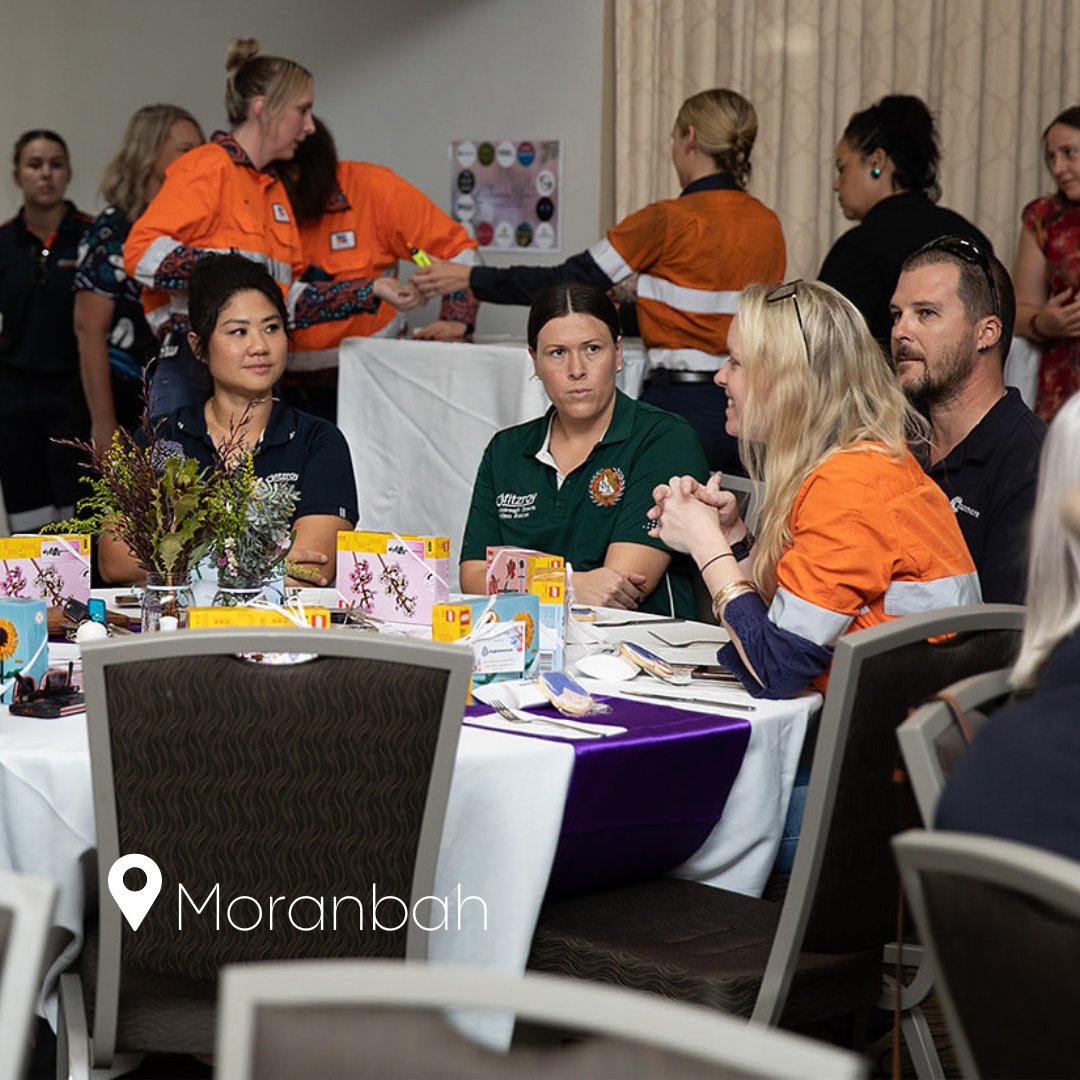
(683, 298)
(161, 248)
(296, 290)
(610, 261)
(465, 257)
(914, 597)
(798, 616)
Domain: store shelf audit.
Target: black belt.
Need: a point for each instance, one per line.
(663, 376)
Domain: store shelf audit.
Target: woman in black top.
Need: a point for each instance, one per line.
(40, 395)
(887, 180)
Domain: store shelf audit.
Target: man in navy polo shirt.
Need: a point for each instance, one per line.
(953, 312)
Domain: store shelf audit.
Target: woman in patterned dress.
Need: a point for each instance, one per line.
(1048, 268)
(115, 340)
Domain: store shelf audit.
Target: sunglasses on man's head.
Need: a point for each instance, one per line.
(970, 252)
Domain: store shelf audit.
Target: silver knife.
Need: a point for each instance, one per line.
(739, 707)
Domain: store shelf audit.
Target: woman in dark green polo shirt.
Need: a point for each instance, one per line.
(577, 482)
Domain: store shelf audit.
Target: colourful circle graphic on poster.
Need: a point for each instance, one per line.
(464, 207)
(509, 193)
(465, 155)
(545, 182)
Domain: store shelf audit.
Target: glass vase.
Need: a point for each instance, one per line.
(237, 592)
(166, 599)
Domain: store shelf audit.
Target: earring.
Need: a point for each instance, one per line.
(875, 172)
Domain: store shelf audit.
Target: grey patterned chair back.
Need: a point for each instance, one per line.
(855, 895)
(26, 915)
(1001, 921)
(371, 1019)
(324, 781)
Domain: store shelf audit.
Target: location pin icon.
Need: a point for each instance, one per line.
(134, 903)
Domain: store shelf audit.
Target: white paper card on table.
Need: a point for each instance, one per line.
(499, 647)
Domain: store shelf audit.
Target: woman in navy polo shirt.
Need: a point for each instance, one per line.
(40, 395)
(577, 482)
(238, 330)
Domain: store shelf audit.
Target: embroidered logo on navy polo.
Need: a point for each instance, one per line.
(280, 213)
(607, 486)
(343, 240)
(513, 507)
(960, 507)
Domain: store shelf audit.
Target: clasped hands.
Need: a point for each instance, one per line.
(700, 519)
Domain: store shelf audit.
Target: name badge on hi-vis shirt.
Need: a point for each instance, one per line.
(280, 213)
(341, 241)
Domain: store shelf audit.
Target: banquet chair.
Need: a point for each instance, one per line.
(817, 955)
(749, 494)
(374, 1019)
(245, 781)
(932, 741)
(26, 913)
(1001, 922)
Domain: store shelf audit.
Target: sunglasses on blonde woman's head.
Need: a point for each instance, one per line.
(789, 290)
(970, 252)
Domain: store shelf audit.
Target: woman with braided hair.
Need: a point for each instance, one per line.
(693, 255)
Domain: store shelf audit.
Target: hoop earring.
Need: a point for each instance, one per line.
(875, 173)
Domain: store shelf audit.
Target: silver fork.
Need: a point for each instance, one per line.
(514, 717)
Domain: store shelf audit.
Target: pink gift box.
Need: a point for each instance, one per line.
(49, 568)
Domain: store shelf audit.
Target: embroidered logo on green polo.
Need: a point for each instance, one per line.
(514, 507)
(607, 486)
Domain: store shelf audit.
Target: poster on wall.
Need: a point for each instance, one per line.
(506, 192)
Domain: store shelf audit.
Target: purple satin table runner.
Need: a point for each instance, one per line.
(641, 803)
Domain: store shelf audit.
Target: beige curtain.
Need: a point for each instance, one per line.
(994, 72)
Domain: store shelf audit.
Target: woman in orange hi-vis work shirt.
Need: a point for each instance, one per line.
(357, 220)
(692, 255)
(853, 531)
(227, 196)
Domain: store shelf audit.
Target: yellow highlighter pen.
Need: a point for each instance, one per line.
(419, 256)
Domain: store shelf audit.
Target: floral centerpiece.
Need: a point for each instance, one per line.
(252, 531)
(172, 512)
(146, 493)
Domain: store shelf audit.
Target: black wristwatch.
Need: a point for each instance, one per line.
(741, 548)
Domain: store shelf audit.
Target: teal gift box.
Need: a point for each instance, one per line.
(24, 643)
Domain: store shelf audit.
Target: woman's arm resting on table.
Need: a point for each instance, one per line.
(116, 564)
(629, 574)
(312, 560)
(93, 319)
(473, 575)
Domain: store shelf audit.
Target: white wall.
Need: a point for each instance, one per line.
(396, 80)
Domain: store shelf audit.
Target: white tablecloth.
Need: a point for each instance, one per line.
(502, 823)
(417, 416)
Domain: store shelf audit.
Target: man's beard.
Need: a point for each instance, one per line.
(944, 383)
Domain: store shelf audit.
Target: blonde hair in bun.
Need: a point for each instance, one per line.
(253, 75)
(725, 127)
